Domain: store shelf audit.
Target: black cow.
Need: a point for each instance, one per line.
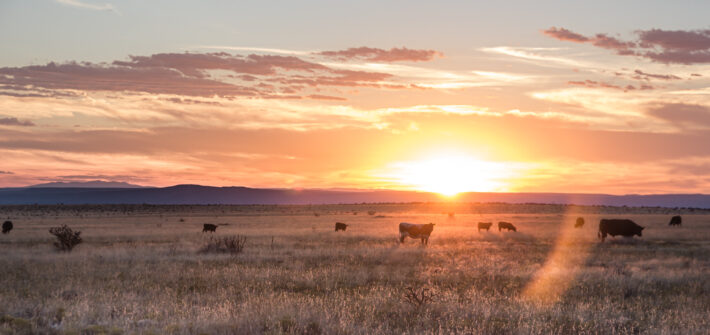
(484, 225)
(676, 221)
(420, 231)
(209, 227)
(579, 223)
(340, 226)
(6, 227)
(506, 225)
(616, 227)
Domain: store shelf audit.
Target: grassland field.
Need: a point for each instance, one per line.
(140, 270)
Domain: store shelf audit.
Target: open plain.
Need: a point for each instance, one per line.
(143, 269)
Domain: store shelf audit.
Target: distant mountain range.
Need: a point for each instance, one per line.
(88, 184)
(196, 194)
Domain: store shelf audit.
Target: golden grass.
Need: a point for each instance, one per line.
(139, 271)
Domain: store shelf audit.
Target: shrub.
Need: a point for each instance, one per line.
(418, 297)
(67, 239)
(225, 244)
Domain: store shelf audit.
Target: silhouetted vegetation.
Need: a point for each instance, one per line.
(226, 244)
(67, 239)
(418, 297)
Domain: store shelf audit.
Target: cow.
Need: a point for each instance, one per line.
(6, 227)
(579, 223)
(484, 225)
(506, 225)
(420, 231)
(209, 227)
(340, 226)
(676, 221)
(614, 227)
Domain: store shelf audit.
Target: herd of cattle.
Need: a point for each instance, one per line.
(613, 227)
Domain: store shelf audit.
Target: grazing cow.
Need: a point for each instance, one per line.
(484, 225)
(676, 221)
(209, 227)
(420, 231)
(615, 227)
(6, 227)
(579, 223)
(506, 225)
(340, 226)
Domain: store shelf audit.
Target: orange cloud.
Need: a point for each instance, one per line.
(193, 74)
(381, 55)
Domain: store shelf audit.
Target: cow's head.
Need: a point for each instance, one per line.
(638, 230)
(428, 228)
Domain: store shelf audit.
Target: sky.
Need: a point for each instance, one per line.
(447, 96)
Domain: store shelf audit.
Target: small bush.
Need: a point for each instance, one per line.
(225, 244)
(67, 239)
(418, 297)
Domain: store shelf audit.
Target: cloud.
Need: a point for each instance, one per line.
(255, 49)
(191, 74)
(683, 115)
(696, 40)
(600, 40)
(381, 55)
(602, 84)
(84, 5)
(5, 172)
(607, 42)
(325, 97)
(646, 76)
(563, 34)
(541, 56)
(13, 121)
(663, 46)
(196, 64)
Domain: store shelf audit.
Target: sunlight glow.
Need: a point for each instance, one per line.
(450, 174)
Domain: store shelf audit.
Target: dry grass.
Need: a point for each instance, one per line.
(139, 270)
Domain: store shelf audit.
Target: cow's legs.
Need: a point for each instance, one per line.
(401, 238)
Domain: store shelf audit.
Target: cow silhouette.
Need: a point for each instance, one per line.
(340, 226)
(6, 227)
(579, 223)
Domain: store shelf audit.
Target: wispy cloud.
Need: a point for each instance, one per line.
(13, 121)
(381, 55)
(195, 74)
(91, 6)
(537, 55)
(253, 49)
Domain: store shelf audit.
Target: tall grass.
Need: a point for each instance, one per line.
(298, 276)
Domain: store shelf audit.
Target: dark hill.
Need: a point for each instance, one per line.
(195, 194)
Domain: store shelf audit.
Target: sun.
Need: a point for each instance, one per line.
(450, 174)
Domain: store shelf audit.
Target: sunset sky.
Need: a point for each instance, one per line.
(522, 96)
